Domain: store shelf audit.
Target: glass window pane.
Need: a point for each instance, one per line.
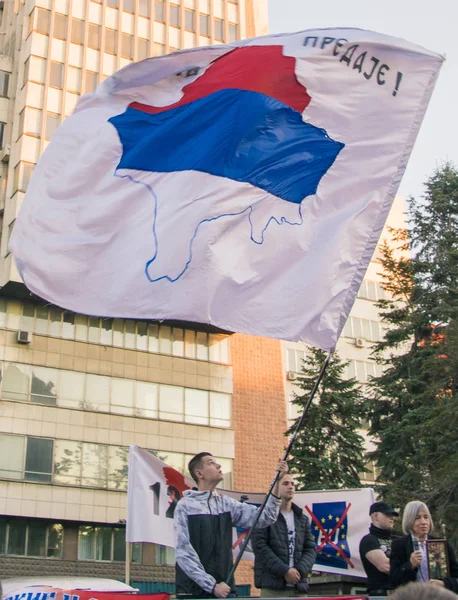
(165, 343)
(142, 335)
(81, 328)
(380, 292)
(52, 123)
(347, 330)
(130, 338)
(111, 41)
(94, 36)
(360, 371)
(291, 360)
(2, 535)
(113, 3)
(28, 317)
(67, 462)
(94, 465)
(220, 409)
(189, 20)
(159, 49)
(375, 329)
(159, 11)
(233, 32)
(12, 456)
(43, 21)
(122, 396)
(153, 338)
(97, 393)
(118, 459)
(36, 545)
(174, 15)
(91, 81)
(74, 79)
(190, 343)
(143, 8)
(171, 402)
(219, 348)
(16, 382)
(38, 459)
(218, 24)
(3, 305)
(41, 321)
(177, 342)
(106, 332)
(68, 325)
(128, 5)
(44, 383)
(16, 537)
(56, 77)
(118, 333)
(357, 328)
(103, 543)
(86, 540)
(370, 370)
(371, 290)
(77, 34)
(196, 406)
(127, 45)
(71, 389)
(119, 544)
(60, 26)
(94, 330)
(142, 49)
(146, 399)
(204, 22)
(202, 345)
(55, 540)
(350, 370)
(366, 329)
(55, 318)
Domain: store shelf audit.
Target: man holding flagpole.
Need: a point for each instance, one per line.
(203, 529)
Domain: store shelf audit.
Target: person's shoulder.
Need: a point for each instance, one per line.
(369, 542)
(399, 542)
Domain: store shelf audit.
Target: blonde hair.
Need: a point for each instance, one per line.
(411, 511)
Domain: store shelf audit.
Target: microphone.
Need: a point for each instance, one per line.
(416, 544)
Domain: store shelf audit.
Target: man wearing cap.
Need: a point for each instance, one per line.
(375, 548)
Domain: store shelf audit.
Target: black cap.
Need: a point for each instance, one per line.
(384, 508)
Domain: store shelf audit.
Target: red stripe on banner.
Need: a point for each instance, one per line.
(262, 69)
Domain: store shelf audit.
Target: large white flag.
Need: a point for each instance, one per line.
(338, 518)
(241, 185)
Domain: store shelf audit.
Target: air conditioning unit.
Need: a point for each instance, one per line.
(24, 337)
(291, 376)
(5, 153)
(359, 342)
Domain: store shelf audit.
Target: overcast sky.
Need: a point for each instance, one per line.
(429, 24)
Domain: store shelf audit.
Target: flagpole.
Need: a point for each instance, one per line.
(285, 457)
(128, 558)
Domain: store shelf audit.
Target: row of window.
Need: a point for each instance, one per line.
(41, 539)
(120, 333)
(40, 21)
(70, 389)
(80, 464)
(359, 369)
(362, 328)
(371, 290)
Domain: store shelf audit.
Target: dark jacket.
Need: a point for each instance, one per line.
(401, 571)
(270, 546)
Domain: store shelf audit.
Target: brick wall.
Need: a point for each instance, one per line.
(259, 419)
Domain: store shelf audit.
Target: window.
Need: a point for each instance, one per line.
(26, 71)
(111, 41)
(94, 36)
(104, 543)
(4, 84)
(56, 77)
(142, 48)
(127, 46)
(371, 290)
(158, 49)
(11, 456)
(77, 33)
(143, 8)
(22, 175)
(189, 20)
(362, 328)
(38, 459)
(175, 15)
(113, 3)
(171, 402)
(2, 133)
(233, 32)
(218, 24)
(128, 6)
(294, 360)
(30, 122)
(43, 21)
(204, 22)
(91, 81)
(20, 537)
(60, 26)
(43, 389)
(362, 370)
(52, 123)
(165, 555)
(159, 11)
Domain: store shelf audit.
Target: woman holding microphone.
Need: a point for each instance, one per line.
(408, 560)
